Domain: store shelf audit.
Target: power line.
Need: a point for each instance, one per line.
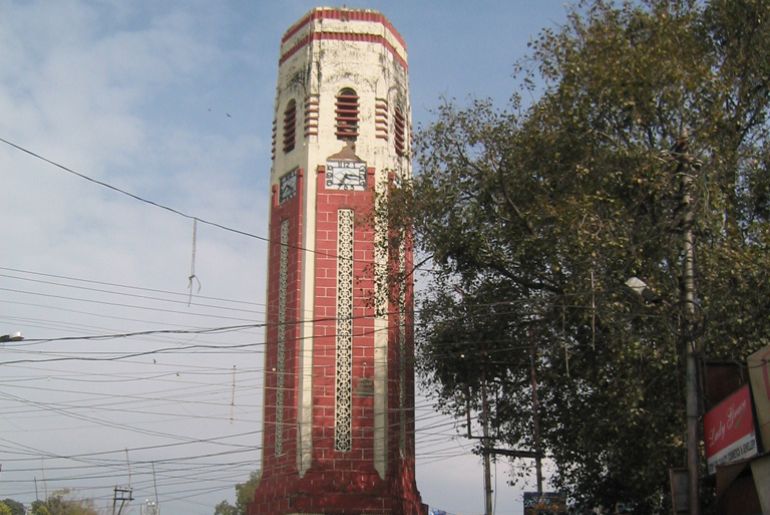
(163, 206)
(117, 304)
(146, 297)
(131, 354)
(141, 448)
(100, 315)
(211, 330)
(129, 194)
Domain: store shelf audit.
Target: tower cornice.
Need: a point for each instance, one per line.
(333, 24)
(344, 14)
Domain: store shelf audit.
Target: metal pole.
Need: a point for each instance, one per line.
(686, 166)
(692, 434)
(535, 414)
(155, 484)
(486, 449)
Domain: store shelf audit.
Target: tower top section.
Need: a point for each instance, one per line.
(342, 82)
(343, 24)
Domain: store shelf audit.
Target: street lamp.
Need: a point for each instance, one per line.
(640, 288)
(13, 337)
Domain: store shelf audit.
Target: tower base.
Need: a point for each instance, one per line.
(326, 491)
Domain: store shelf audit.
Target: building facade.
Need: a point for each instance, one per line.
(339, 379)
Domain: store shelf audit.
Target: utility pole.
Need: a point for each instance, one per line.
(45, 483)
(535, 413)
(487, 442)
(686, 165)
(486, 447)
(155, 485)
(123, 495)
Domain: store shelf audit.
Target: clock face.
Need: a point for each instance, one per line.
(346, 175)
(287, 186)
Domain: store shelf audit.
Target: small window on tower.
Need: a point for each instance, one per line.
(399, 139)
(289, 126)
(347, 115)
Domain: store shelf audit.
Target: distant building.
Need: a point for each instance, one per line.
(149, 508)
(339, 379)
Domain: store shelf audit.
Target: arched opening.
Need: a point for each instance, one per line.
(347, 115)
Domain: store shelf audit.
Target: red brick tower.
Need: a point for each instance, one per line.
(339, 379)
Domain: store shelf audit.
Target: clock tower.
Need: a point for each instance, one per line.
(339, 379)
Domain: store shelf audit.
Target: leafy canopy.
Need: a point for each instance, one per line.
(534, 216)
(58, 503)
(16, 507)
(244, 494)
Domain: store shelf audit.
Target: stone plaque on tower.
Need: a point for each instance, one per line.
(339, 379)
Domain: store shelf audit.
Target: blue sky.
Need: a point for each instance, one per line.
(173, 101)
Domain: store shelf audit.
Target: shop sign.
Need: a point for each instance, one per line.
(729, 430)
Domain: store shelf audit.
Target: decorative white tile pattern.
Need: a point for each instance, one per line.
(280, 367)
(343, 423)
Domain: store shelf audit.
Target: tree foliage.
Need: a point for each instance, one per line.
(225, 508)
(58, 503)
(244, 494)
(534, 216)
(16, 507)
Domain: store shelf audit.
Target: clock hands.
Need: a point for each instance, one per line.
(346, 177)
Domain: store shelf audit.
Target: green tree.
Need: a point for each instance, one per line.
(16, 507)
(4, 509)
(244, 494)
(535, 216)
(225, 508)
(40, 508)
(58, 503)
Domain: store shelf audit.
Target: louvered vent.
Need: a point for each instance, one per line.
(399, 139)
(347, 115)
(289, 126)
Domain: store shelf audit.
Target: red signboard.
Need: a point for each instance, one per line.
(729, 430)
(759, 372)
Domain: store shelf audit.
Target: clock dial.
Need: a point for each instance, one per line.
(287, 186)
(346, 175)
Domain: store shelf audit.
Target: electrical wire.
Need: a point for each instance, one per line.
(164, 207)
(133, 295)
(435, 450)
(127, 286)
(132, 306)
